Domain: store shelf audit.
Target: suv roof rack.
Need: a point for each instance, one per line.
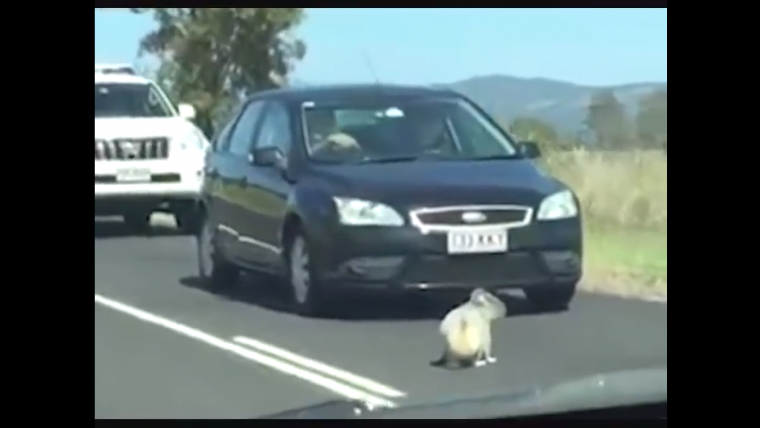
(115, 69)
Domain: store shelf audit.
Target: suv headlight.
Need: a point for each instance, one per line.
(357, 212)
(558, 206)
(193, 140)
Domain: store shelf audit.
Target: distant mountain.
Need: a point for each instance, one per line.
(563, 104)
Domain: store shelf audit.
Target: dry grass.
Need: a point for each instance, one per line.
(625, 204)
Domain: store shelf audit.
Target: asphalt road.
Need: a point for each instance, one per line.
(167, 349)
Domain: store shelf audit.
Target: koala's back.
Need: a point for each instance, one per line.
(464, 329)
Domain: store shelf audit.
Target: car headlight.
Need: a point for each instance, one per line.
(357, 212)
(193, 140)
(558, 206)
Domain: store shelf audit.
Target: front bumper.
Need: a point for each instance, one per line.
(168, 192)
(404, 259)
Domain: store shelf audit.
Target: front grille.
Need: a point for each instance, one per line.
(154, 178)
(456, 216)
(505, 269)
(132, 149)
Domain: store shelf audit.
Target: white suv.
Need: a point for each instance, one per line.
(148, 155)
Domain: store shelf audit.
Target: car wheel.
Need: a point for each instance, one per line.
(188, 220)
(306, 291)
(139, 221)
(551, 298)
(214, 271)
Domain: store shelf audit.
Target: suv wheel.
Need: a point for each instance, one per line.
(188, 220)
(139, 221)
(215, 273)
(306, 291)
(551, 298)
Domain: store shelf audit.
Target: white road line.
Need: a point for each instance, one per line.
(317, 366)
(249, 354)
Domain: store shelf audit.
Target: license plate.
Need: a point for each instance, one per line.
(133, 175)
(477, 241)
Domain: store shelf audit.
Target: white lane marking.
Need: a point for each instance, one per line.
(317, 366)
(249, 354)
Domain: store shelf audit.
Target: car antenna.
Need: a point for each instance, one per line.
(370, 66)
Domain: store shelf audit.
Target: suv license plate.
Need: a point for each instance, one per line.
(133, 175)
(477, 241)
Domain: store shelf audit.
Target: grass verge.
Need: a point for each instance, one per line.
(625, 204)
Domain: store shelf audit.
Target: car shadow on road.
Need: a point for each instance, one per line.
(117, 229)
(264, 292)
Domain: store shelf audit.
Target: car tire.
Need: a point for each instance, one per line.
(214, 272)
(188, 220)
(306, 290)
(556, 297)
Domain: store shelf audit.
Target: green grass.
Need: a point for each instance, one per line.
(625, 204)
(626, 261)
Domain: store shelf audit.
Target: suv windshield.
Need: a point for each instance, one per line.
(129, 100)
(402, 130)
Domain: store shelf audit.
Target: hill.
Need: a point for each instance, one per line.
(562, 104)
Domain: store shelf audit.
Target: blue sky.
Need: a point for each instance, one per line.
(588, 46)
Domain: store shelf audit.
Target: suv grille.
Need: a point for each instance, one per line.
(454, 216)
(132, 149)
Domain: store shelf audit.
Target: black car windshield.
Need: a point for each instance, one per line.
(402, 130)
(129, 100)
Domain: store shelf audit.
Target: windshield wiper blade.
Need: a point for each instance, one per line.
(496, 157)
(410, 158)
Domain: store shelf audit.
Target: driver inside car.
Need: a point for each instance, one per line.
(326, 137)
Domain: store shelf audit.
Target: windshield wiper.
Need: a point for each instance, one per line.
(411, 158)
(497, 157)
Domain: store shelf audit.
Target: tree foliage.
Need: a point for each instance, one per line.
(211, 57)
(652, 119)
(607, 120)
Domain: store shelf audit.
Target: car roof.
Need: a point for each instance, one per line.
(120, 78)
(315, 93)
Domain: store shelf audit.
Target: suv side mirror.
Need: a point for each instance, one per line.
(529, 149)
(186, 111)
(268, 156)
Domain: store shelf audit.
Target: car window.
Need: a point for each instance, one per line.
(443, 128)
(275, 129)
(220, 142)
(130, 100)
(241, 139)
(475, 133)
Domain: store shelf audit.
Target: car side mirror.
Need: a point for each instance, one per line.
(268, 156)
(186, 111)
(529, 149)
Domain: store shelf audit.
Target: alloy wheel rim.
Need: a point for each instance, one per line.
(299, 271)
